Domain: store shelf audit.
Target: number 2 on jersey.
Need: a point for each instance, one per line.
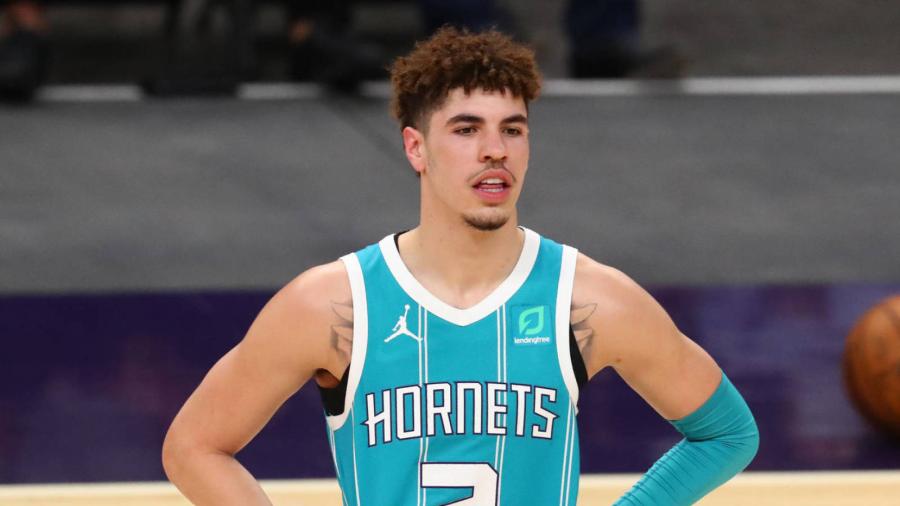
(480, 477)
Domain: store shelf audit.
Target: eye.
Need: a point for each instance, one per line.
(465, 130)
(512, 131)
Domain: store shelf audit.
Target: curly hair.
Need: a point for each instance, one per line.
(450, 59)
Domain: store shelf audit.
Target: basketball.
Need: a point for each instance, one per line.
(871, 365)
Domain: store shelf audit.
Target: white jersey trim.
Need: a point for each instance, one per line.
(568, 476)
(472, 314)
(566, 455)
(563, 312)
(360, 337)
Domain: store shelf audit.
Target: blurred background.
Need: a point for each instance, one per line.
(166, 166)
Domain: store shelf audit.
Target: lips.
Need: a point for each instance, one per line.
(493, 180)
(493, 185)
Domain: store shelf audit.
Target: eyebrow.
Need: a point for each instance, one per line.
(471, 118)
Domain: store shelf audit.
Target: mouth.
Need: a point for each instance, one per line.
(493, 185)
(493, 180)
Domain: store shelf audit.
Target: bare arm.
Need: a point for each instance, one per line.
(618, 324)
(299, 334)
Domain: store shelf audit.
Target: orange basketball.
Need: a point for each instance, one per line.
(872, 365)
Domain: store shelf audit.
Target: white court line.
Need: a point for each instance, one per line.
(695, 86)
(133, 93)
(90, 93)
(807, 85)
(786, 479)
(279, 91)
(812, 85)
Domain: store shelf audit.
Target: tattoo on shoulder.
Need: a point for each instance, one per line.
(342, 328)
(584, 333)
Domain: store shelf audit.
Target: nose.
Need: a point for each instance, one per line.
(493, 148)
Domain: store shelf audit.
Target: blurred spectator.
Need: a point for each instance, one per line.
(603, 38)
(324, 49)
(476, 15)
(604, 42)
(604, 35)
(23, 49)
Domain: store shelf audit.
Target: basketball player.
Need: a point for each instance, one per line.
(451, 356)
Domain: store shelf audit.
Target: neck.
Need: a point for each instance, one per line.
(460, 264)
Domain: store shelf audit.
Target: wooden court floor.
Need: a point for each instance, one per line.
(856, 488)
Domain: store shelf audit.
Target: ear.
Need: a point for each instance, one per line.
(414, 147)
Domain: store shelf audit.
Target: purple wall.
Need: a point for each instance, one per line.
(89, 383)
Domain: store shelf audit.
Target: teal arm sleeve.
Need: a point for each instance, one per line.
(720, 439)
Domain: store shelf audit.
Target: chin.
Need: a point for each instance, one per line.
(486, 222)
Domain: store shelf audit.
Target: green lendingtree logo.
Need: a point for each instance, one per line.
(531, 321)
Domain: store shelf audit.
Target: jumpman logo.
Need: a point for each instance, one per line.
(400, 328)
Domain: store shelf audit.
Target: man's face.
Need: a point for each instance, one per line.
(473, 157)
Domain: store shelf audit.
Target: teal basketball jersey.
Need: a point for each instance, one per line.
(470, 407)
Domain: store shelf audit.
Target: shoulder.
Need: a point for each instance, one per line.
(612, 315)
(599, 283)
(309, 297)
(313, 288)
(302, 317)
